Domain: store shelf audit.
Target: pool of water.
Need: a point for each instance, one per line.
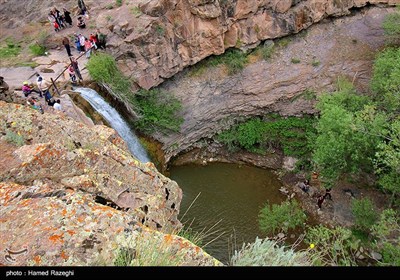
(231, 196)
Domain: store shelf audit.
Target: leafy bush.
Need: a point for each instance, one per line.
(287, 215)
(14, 138)
(334, 246)
(268, 253)
(292, 134)
(387, 234)
(37, 50)
(118, 3)
(159, 111)
(364, 213)
(385, 82)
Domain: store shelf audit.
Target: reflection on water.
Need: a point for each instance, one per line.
(230, 193)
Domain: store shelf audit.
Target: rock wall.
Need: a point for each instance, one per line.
(160, 38)
(73, 195)
(301, 67)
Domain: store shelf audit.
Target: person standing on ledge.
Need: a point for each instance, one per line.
(65, 42)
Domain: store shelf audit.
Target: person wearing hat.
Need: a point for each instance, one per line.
(28, 89)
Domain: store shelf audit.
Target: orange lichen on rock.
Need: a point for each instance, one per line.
(56, 238)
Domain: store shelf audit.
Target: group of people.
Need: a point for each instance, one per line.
(43, 91)
(87, 45)
(59, 20)
(305, 187)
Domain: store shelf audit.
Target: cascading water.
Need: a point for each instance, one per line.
(116, 122)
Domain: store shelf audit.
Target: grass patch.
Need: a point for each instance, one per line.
(10, 49)
(14, 138)
(267, 51)
(37, 50)
(136, 11)
(118, 3)
(283, 42)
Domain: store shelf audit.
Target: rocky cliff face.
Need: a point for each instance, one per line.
(73, 195)
(163, 37)
(301, 67)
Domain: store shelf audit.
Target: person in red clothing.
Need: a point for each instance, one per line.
(94, 40)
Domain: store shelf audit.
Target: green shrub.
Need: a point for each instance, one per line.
(287, 215)
(292, 134)
(391, 27)
(37, 50)
(267, 51)
(10, 49)
(387, 237)
(315, 63)
(14, 138)
(268, 253)
(136, 11)
(295, 60)
(364, 213)
(159, 110)
(332, 247)
(118, 3)
(235, 61)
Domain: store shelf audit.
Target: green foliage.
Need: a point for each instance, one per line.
(118, 3)
(268, 253)
(283, 42)
(364, 213)
(149, 250)
(267, 51)
(159, 111)
(110, 6)
(14, 138)
(387, 234)
(234, 60)
(315, 63)
(255, 135)
(341, 146)
(334, 246)
(11, 49)
(295, 60)
(37, 50)
(136, 11)
(385, 81)
(287, 215)
(391, 26)
(160, 30)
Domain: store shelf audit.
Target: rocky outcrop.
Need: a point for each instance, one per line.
(301, 67)
(157, 39)
(73, 195)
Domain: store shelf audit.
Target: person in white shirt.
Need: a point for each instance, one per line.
(57, 105)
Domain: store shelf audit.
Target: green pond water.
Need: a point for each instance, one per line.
(231, 196)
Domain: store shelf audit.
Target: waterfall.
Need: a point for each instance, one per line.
(116, 121)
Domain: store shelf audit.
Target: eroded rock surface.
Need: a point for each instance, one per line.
(73, 195)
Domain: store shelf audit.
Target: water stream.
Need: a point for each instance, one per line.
(116, 121)
(231, 195)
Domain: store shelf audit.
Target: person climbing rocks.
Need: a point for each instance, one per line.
(101, 40)
(320, 200)
(35, 104)
(328, 193)
(65, 42)
(88, 47)
(28, 89)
